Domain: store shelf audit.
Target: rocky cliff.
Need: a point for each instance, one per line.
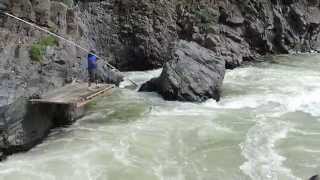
(140, 35)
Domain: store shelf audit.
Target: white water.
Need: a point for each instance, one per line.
(267, 126)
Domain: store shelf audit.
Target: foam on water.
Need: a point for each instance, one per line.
(259, 149)
(139, 77)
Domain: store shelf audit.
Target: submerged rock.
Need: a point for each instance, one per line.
(194, 74)
(107, 75)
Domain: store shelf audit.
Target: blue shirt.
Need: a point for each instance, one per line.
(92, 61)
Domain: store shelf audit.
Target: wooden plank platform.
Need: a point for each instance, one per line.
(77, 94)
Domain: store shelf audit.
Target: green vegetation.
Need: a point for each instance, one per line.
(38, 49)
(36, 53)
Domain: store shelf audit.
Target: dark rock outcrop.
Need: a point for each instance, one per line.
(194, 74)
(146, 29)
(134, 35)
(139, 34)
(242, 30)
(24, 124)
(316, 177)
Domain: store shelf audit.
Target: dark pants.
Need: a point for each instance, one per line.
(92, 75)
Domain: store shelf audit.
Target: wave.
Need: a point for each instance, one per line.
(263, 161)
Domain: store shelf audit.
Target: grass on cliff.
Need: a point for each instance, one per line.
(38, 49)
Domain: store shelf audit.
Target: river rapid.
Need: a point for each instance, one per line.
(266, 127)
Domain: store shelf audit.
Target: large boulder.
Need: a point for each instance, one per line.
(194, 74)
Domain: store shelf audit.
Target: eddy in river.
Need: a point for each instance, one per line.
(92, 68)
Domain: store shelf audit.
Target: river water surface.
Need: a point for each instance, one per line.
(267, 126)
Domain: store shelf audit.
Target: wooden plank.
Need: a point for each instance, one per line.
(73, 94)
(99, 92)
(82, 103)
(91, 97)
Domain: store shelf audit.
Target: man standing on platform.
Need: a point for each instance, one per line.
(92, 68)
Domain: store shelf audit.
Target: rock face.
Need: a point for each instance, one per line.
(23, 125)
(194, 74)
(135, 35)
(241, 30)
(139, 34)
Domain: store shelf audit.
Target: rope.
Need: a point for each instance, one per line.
(66, 40)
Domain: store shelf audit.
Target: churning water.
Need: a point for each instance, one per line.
(267, 126)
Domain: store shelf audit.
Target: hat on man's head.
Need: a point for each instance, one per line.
(93, 51)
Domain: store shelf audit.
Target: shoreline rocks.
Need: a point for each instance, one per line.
(24, 125)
